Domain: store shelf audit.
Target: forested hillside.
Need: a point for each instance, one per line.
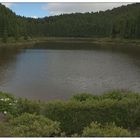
(122, 22)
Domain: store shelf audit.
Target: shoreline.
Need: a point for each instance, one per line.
(97, 41)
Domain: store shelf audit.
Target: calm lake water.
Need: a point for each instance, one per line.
(45, 74)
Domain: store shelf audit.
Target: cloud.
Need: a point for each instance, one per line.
(8, 4)
(34, 17)
(60, 8)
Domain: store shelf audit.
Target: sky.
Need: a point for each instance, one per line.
(38, 10)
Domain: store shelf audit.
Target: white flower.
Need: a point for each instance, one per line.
(2, 99)
(10, 103)
(5, 112)
(7, 99)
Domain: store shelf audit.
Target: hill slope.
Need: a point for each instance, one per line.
(122, 22)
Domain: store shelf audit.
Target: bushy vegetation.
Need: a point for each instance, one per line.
(8, 104)
(112, 114)
(108, 130)
(30, 125)
(124, 112)
(33, 107)
(122, 22)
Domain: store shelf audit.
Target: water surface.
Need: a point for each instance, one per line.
(46, 74)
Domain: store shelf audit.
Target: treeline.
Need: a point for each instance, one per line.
(122, 22)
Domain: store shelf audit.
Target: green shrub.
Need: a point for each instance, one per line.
(84, 97)
(8, 103)
(109, 130)
(29, 106)
(31, 125)
(119, 95)
(114, 95)
(82, 109)
(74, 116)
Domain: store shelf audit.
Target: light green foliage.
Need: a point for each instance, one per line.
(75, 115)
(8, 103)
(30, 125)
(108, 130)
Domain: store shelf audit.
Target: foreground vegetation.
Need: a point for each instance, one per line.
(112, 114)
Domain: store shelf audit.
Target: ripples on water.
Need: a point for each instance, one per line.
(58, 74)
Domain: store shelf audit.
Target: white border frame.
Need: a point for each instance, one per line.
(69, 1)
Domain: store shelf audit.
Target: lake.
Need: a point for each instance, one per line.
(49, 71)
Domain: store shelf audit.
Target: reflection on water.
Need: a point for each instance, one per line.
(7, 63)
(58, 74)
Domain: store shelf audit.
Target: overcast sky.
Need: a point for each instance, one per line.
(46, 9)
